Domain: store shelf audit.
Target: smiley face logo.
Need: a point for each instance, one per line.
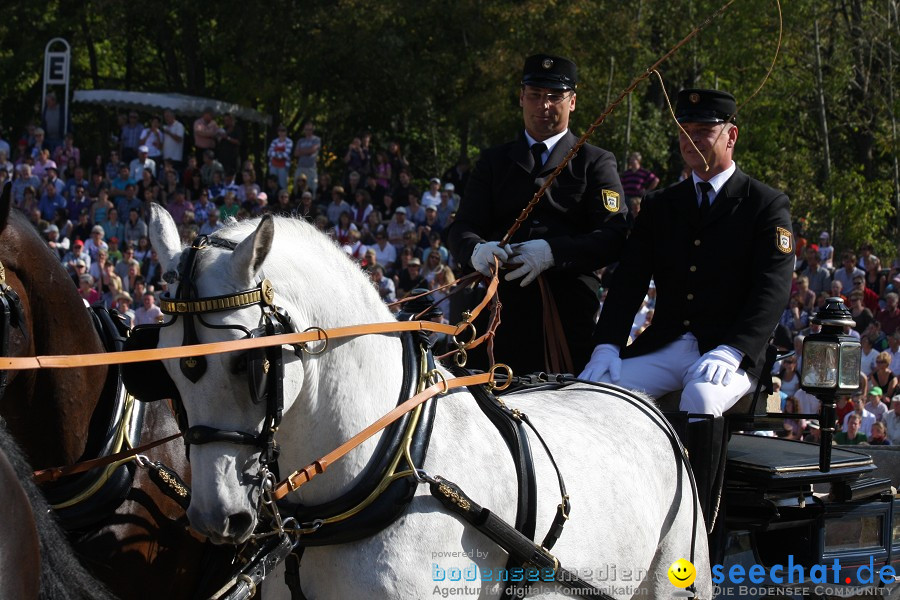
(682, 573)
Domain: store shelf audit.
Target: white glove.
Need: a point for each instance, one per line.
(605, 359)
(484, 253)
(534, 256)
(717, 366)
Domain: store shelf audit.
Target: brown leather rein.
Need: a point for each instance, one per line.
(314, 334)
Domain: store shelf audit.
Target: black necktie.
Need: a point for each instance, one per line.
(536, 151)
(704, 186)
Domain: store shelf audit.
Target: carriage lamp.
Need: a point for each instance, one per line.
(831, 366)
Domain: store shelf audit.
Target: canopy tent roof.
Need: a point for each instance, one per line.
(179, 103)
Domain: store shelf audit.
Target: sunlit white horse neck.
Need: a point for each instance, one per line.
(632, 506)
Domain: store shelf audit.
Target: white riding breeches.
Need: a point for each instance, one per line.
(668, 370)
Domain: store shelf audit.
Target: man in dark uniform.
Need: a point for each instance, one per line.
(577, 227)
(719, 248)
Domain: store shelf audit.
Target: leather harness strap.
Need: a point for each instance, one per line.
(557, 358)
(301, 476)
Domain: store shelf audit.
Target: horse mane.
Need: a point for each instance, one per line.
(303, 259)
(62, 576)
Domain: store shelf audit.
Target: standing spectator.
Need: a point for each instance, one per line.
(130, 138)
(381, 170)
(432, 196)
(819, 279)
(280, 156)
(229, 142)
(356, 159)
(53, 121)
(826, 251)
(152, 137)
(173, 140)
(889, 316)
(206, 130)
(637, 181)
(306, 150)
(398, 162)
(580, 230)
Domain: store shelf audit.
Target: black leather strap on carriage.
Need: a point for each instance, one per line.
(520, 549)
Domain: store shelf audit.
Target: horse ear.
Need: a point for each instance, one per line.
(5, 204)
(164, 235)
(252, 252)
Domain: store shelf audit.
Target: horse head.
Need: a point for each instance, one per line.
(314, 285)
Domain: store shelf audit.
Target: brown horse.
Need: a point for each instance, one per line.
(140, 547)
(36, 560)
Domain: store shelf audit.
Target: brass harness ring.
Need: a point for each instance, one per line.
(435, 374)
(305, 348)
(462, 327)
(509, 373)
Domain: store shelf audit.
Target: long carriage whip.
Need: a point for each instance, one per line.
(584, 137)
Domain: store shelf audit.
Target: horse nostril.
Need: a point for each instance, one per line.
(238, 524)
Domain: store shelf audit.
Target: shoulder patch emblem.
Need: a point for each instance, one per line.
(611, 201)
(784, 240)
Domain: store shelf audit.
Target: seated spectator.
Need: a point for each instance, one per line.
(135, 227)
(384, 285)
(123, 305)
(879, 436)
(874, 404)
(848, 271)
(337, 205)
(432, 196)
(410, 278)
(866, 419)
(882, 376)
(148, 313)
(852, 436)
(87, 291)
(398, 227)
(869, 355)
(889, 316)
(795, 316)
(891, 421)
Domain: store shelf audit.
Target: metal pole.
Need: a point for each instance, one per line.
(826, 428)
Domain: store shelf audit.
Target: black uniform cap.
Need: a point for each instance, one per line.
(704, 106)
(551, 72)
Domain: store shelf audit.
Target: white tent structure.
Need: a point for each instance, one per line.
(179, 103)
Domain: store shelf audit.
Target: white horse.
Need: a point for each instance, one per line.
(632, 506)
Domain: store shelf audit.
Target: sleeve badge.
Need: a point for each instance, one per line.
(784, 240)
(611, 201)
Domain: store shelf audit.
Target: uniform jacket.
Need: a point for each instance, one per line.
(582, 214)
(726, 280)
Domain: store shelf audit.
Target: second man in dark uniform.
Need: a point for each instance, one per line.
(578, 226)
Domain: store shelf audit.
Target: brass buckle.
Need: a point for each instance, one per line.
(493, 386)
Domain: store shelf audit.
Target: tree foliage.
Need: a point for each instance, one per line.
(442, 78)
